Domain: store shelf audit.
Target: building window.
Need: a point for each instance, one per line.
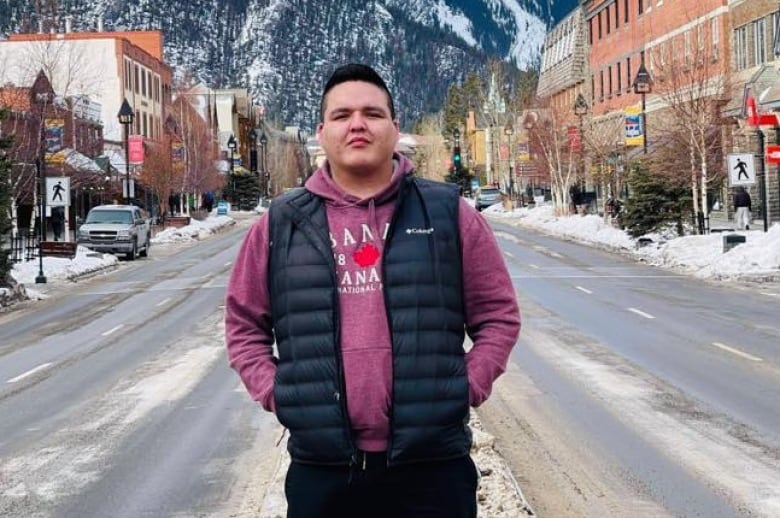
(687, 47)
(617, 15)
(700, 40)
(609, 79)
(628, 73)
(740, 48)
(715, 33)
(590, 31)
(759, 41)
(601, 85)
(641, 5)
(599, 23)
(625, 11)
(608, 20)
(776, 34)
(137, 82)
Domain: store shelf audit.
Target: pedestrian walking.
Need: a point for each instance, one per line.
(742, 206)
(367, 279)
(58, 222)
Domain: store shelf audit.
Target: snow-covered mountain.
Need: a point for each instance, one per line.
(282, 50)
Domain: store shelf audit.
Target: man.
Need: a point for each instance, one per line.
(742, 206)
(366, 279)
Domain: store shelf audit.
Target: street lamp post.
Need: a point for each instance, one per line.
(126, 117)
(264, 166)
(509, 131)
(252, 135)
(231, 144)
(40, 165)
(643, 84)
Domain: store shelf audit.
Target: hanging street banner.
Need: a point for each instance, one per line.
(135, 152)
(523, 152)
(742, 170)
(53, 132)
(58, 191)
(178, 156)
(635, 133)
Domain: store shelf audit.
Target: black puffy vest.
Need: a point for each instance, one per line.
(421, 275)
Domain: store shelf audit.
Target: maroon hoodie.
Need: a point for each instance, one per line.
(357, 231)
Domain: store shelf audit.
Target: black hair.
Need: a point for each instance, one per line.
(355, 72)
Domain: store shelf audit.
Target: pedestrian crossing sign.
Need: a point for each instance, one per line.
(58, 191)
(742, 170)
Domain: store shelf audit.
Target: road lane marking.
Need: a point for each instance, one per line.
(228, 263)
(771, 294)
(509, 254)
(591, 276)
(535, 267)
(29, 372)
(584, 290)
(641, 313)
(163, 302)
(113, 330)
(737, 352)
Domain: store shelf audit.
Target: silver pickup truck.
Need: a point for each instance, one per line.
(116, 229)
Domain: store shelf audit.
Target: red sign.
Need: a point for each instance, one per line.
(135, 151)
(773, 154)
(754, 117)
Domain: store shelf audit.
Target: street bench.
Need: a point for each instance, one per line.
(177, 221)
(65, 249)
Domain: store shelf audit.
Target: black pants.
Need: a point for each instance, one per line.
(442, 489)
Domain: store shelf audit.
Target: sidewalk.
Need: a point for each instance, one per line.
(720, 223)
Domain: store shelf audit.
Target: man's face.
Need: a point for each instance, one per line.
(358, 133)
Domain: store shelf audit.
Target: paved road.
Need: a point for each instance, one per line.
(117, 400)
(673, 381)
(633, 392)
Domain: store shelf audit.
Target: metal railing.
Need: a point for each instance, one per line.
(22, 247)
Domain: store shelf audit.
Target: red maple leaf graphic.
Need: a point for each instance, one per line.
(366, 255)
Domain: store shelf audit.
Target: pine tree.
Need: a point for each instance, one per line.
(655, 203)
(5, 207)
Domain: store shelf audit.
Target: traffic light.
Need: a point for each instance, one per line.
(456, 158)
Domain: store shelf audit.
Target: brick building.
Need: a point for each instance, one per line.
(62, 134)
(755, 41)
(668, 37)
(564, 67)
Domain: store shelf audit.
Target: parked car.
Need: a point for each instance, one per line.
(116, 229)
(487, 196)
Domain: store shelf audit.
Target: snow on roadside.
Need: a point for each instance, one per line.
(195, 231)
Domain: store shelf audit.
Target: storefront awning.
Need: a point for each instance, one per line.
(759, 84)
(74, 160)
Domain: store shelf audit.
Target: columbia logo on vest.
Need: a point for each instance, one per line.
(419, 230)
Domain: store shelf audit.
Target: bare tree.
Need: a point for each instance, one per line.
(548, 133)
(603, 145)
(159, 173)
(201, 147)
(431, 154)
(691, 79)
